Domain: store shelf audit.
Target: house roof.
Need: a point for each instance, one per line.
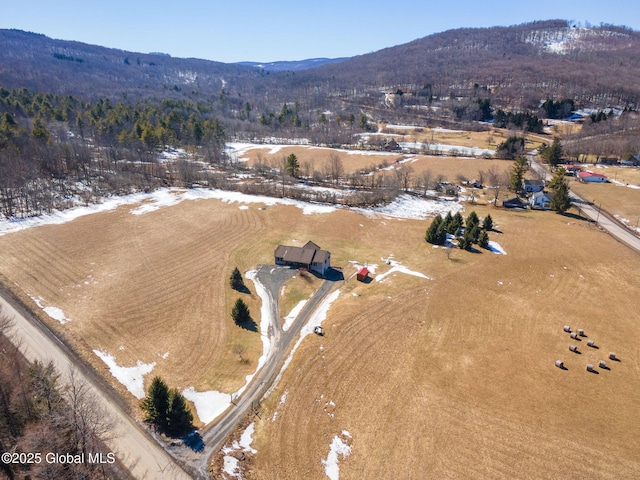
(295, 254)
(308, 253)
(537, 183)
(513, 202)
(363, 271)
(311, 245)
(588, 174)
(542, 195)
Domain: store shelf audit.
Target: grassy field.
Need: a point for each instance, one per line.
(314, 158)
(139, 286)
(616, 199)
(454, 377)
(447, 377)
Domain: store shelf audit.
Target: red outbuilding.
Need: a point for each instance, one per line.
(362, 274)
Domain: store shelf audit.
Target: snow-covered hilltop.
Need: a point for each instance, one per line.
(564, 40)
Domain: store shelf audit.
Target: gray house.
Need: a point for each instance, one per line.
(310, 256)
(533, 186)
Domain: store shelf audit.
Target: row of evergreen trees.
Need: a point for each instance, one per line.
(467, 233)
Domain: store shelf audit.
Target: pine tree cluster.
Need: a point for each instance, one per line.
(467, 233)
(167, 409)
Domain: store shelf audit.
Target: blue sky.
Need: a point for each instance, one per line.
(272, 30)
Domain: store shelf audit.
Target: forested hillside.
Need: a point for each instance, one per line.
(78, 122)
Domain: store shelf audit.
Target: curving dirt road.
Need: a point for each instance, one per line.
(271, 279)
(135, 448)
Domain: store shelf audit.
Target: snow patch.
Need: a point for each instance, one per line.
(372, 267)
(246, 439)
(398, 267)
(53, 312)
(56, 314)
(622, 184)
(293, 314)
(209, 405)
(338, 448)
(496, 248)
(231, 466)
(131, 377)
(410, 207)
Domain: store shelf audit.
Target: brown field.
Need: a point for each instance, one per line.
(451, 377)
(318, 158)
(455, 377)
(615, 199)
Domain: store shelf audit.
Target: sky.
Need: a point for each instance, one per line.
(271, 30)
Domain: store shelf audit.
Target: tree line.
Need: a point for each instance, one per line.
(39, 412)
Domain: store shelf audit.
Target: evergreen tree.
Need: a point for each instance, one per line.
(156, 403)
(511, 147)
(517, 173)
(483, 239)
(553, 154)
(38, 130)
(292, 165)
(456, 224)
(446, 223)
(180, 418)
(240, 312)
(560, 202)
(473, 233)
(465, 242)
(472, 220)
(436, 233)
(487, 223)
(236, 281)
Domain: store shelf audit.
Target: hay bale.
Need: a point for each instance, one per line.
(589, 367)
(591, 343)
(559, 364)
(567, 328)
(573, 348)
(603, 364)
(581, 332)
(574, 335)
(612, 355)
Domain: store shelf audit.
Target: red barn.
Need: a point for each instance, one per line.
(362, 274)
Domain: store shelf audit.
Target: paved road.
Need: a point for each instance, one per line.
(138, 452)
(271, 278)
(603, 219)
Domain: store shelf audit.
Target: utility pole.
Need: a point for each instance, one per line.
(598, 216)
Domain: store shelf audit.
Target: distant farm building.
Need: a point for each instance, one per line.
(572, 170)
(309, 256)
(362, 274)
(591, 177)
(532, 186)
(514, 203)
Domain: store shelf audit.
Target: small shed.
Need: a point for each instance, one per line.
(362, 274)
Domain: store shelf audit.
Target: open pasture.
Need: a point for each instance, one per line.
(619, 200)
(450, 376)
(318, 159)
(454, 377)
